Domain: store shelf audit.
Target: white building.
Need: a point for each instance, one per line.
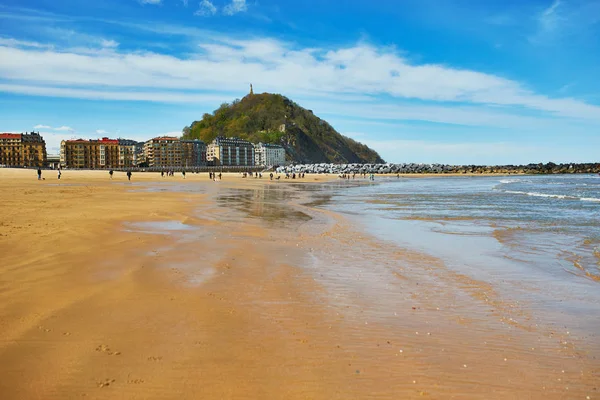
(230, 152)
(268, 155)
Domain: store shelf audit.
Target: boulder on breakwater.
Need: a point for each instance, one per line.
(411, 168)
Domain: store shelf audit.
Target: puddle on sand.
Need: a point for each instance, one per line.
(265, 203)
(158, 227)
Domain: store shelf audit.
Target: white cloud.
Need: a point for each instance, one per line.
(101, 132)
(225, 64)
(42, 127)
(109, 43)
(185, 3)
(206, 9)
(150, 1)
(236, 6)
(64, 129)
(23, 43)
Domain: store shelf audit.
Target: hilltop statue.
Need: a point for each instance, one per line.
(251, 90)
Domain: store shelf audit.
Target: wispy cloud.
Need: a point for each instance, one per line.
(150, 1)
(206, 9)
(101, 132)
(23, 43)
(42, 127)
(236, 6)
(64, 129)
(565, 19)
(550, 17)
(185, 3)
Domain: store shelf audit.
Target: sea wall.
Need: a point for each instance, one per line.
(549, 168)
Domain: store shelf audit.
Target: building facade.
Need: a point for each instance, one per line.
(131, 153)
(89, 154)
(194, 153)
(230, 152)
(163, 151)
(269, 155)
(22, 150)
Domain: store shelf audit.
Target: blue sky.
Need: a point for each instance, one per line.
(453, 81)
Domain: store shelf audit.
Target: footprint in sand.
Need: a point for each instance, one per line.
(154, 358)
(105, 382)
(105, 349)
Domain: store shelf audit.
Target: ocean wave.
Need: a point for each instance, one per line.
(554, 196)
(510, 181)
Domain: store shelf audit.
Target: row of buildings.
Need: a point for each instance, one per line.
(29, 150)
(23, 150)
(168, 152)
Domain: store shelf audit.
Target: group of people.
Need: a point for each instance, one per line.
(59, 170)
(347, 176)
(293, 175)
(111, 173)
(213, 176)
(353, 176)
(257, 175)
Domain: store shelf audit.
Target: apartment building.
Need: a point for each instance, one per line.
(230, 152)
(92, 154)
(194, 153)
(163, 151)
(22, 150)
(268, 155)
(131, 153)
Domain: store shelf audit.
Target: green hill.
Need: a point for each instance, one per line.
(273, 118)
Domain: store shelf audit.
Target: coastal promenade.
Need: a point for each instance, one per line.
(164, 288)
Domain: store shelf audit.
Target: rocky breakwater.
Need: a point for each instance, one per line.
(549, 168)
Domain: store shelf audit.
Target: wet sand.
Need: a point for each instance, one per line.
(171, 289)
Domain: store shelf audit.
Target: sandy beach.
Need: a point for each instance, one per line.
(165, 288)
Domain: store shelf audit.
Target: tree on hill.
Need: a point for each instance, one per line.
(273, 118)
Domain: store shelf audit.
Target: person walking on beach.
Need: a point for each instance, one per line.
(220, 176)
(59, 174)
(271, 176)
(128, 175)
(110, 173)
(162, 174)
(39, 172)
(183, 173)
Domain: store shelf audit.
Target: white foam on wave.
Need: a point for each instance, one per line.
(509, 181)
(553, 196)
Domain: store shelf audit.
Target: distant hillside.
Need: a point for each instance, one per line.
(273, 118)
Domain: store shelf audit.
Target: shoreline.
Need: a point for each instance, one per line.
(244, 297)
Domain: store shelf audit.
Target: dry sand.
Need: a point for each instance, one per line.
(95, 306)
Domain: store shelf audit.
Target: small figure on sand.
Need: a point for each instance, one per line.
(183, 173)
(162, 174)
(128, 175)
(271, 176)
(39, 172)
(59, 174)
(111, 172)
(220, 176)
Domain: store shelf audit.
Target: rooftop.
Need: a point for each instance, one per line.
(165, 138)
(10, 136)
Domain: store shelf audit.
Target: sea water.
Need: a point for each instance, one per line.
(535, 239)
